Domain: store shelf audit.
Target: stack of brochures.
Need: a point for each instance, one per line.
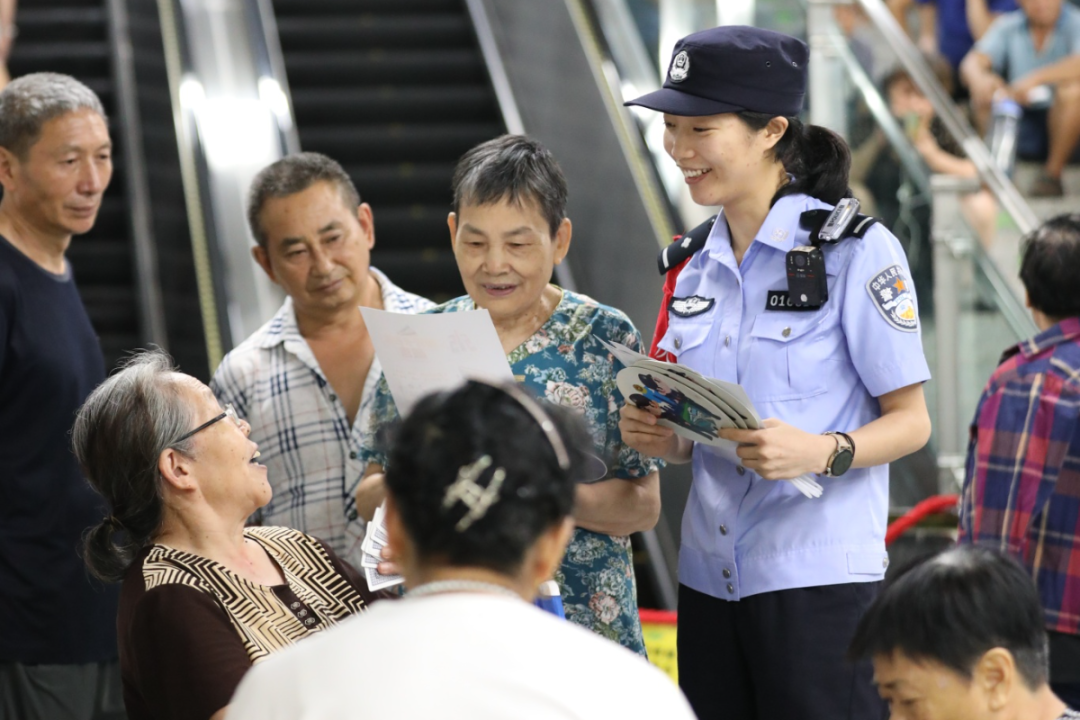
(694, 406)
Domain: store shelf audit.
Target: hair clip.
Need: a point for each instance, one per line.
(470, 493)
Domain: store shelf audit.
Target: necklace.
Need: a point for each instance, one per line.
(452, 586)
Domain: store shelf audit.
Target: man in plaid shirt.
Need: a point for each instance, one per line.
(304, 380)
(1021, 493)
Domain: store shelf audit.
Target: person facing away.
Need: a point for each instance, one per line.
(1022, 479)
(203, 598)
(508, 230)
(58, 648)
(1039, 44)
(304, 379)
(959, 636)
(481, 485)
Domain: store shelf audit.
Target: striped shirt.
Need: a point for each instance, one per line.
(311, 453)
(1021, 493)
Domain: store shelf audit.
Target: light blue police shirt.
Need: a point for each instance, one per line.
(1012, 52)
(817, 370)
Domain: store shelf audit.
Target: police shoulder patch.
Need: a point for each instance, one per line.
(890, 291)
(690, 306)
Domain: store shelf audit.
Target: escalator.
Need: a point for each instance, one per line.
(72, 37)
(396, 91)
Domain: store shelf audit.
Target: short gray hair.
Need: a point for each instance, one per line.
(119, 435)
(28, 102)
(293, 174)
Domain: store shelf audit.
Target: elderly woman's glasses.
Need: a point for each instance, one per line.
(230, 412)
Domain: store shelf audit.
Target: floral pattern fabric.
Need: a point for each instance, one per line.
(564, 363)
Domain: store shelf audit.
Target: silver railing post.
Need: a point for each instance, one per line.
(954, 248)
(828, 82)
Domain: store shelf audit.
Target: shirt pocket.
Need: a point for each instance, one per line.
(792, 356)
(685, 336)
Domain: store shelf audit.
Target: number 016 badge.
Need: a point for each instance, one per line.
(891, 292)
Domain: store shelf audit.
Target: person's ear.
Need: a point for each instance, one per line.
(175, 469)
(367, 223)
(1027, 300)
(8, 167)
(396, 537)
(773, 131)
(995, 677)
(262, 257)
(549, 548)
(451, 222)
(562, 240)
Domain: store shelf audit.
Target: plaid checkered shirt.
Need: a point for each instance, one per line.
(310, 451)
(1022, 490)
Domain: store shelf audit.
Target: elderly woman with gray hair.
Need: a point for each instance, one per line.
(203, 597)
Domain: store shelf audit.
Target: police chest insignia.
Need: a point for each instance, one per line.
(680, 68)
(890, 290)
(781, 300)
(690, 306)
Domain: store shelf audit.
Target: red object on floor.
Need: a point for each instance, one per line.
(930, 506)
(657, 617)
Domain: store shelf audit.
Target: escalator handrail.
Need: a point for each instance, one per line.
(270, 62)
(1012, 308)
(954, 120)
(152, 329)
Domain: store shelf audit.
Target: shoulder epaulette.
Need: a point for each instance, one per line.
(813, 220)
(684, 246)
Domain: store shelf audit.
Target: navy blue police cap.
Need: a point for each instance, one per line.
(731, 69)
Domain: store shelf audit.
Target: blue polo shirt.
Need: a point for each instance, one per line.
(954, 37)
(817, 370)
(1009, 46)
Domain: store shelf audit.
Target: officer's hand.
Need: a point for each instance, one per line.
(781, 451)
(640, 431)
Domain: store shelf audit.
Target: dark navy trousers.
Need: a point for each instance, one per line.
(777, 655)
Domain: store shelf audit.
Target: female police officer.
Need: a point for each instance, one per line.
(772, 582)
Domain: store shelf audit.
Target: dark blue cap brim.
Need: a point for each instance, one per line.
(677, 102)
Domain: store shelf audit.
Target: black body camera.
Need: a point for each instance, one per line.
(807, 285)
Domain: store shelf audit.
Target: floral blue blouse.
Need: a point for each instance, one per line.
(563, 363)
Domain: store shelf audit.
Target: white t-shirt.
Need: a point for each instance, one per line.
(458, 655)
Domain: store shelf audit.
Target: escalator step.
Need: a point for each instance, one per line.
(79, 59)
(427, 183)
(411, 228)
(285, 8)
(388, 104)
(101, 262)
(396, 143)
(347, 32)
(422, 67)
(73, 24)
(432, 273)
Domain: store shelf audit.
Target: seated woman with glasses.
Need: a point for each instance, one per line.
(480, 486)
(203, 597)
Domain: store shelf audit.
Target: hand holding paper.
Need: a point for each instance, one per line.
(708, 411)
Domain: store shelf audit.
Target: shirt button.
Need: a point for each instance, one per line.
(727, 573)
(786, 332)
(352, 455)
(678, 343)
(731, 588)
(741, 470)
(727, 341)
(723, 529)
(352, 515)
(333, 397)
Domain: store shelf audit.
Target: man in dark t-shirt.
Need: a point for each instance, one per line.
(57, 626)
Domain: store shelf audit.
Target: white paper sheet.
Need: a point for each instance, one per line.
(422, 354)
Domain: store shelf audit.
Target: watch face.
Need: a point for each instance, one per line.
(841, 463)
